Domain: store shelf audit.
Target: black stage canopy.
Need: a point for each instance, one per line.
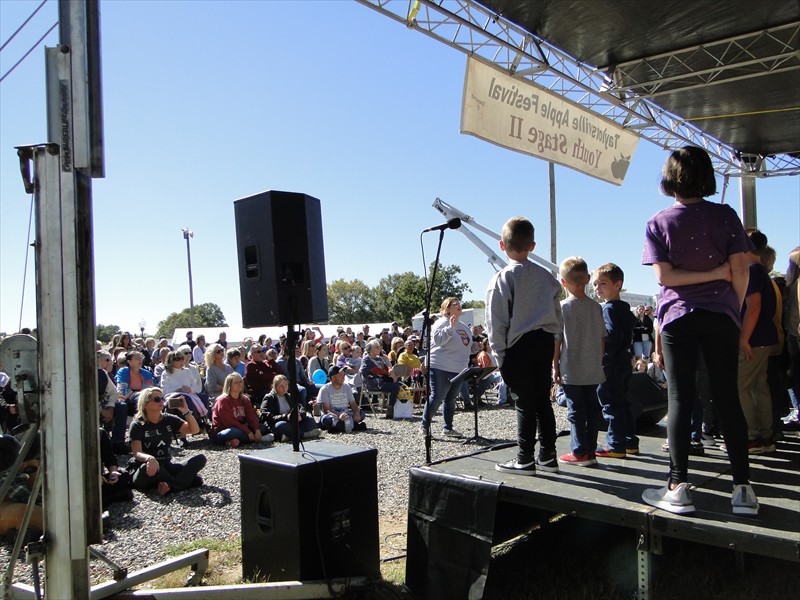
(731, 68)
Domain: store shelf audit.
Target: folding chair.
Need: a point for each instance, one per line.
(373, 399)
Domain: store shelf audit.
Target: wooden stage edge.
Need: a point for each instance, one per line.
(611, 492)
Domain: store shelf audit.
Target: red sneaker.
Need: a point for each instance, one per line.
(579, 461)
(604, 452)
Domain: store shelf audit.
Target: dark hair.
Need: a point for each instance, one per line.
(688, 173)
(758, 239)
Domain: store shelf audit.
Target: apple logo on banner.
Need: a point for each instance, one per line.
(620, 166)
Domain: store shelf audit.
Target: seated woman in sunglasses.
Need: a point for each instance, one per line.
(216, 371)
(151, 435)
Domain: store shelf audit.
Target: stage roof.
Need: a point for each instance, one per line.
(732, 68)
(724, 75)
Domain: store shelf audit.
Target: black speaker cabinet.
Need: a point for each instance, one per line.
(281, 259)
(309, 515)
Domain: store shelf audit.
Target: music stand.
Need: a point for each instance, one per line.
(476, 374)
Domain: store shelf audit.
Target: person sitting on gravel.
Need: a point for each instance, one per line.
(233, 419)
(340, 413)
(151, 434)
(276, 411)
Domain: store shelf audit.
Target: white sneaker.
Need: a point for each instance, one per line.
(743, 500)
(452, 433)
(678, 501)
(267, 438)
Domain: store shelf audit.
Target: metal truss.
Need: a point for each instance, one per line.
(475, 30)
(741, 57)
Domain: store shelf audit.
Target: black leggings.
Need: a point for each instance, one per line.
(718, 338)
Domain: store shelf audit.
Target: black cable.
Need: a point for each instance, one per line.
(21, 27)
(29, 51)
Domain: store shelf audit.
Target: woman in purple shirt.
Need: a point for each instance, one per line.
(697, 249)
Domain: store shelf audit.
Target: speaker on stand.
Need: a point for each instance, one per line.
(281, 259)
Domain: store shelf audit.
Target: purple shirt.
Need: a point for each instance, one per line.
(695, 237)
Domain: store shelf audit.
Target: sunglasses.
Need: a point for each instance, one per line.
(177, 359)
(257, 352)
(157, 399)
(220, 351)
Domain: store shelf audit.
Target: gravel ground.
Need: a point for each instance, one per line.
(212, 511)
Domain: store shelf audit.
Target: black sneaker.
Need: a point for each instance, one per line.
(517, 468)
(360, 426)
(547, 461)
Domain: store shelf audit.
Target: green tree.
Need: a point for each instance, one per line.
(400, 296)
(473, 304)
(106, 332)
(205, 315)
(350, 302)
(448, 283)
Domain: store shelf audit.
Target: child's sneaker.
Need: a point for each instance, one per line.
(678, 501)
(516, 467)
(604, 452)
(767, 445)
(579, 461)
(546, 461)
(708, 440)
(743, 500)
(632, 451)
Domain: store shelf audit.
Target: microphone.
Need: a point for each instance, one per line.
(451, 224)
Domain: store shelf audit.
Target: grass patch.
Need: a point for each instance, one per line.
(224, 563)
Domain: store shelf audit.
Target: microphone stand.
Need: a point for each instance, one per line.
(426, 335)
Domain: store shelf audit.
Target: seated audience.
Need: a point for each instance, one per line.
(216, 371)
(377, 377)
(131, 380)
(115, 482)
(276, 412)
(340, 413)
(151, 434)
(235, 362)
(259, 374)
(319, 361)
(177, 379)
(234, 420)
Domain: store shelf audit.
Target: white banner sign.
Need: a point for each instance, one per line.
(519, 115)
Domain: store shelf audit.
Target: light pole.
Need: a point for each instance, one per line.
(188, 233)
(142, 325)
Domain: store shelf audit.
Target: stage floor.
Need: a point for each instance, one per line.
(611, 492)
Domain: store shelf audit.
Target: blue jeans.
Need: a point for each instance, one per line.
(441, 391)
(390, 387)
(582, 413)
(488, 381)
(305, 425)
(642, 349)
(717, 336)
(613, 396)
(226, 435)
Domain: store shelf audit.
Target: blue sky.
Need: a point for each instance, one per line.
(207, 102)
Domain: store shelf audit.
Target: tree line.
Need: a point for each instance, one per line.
(397, 297)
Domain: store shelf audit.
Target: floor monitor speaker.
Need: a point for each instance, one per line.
(281, 259)
(310, 515)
